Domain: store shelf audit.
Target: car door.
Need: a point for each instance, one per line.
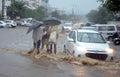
(71, 41)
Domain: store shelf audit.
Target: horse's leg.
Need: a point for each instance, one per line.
(42, 45)
(47, 46)
(38, 45)
(54, 48)
(50, 47)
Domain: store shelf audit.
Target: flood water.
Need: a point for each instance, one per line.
(12, 64)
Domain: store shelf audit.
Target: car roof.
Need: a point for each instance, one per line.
(104, 25)
(88, 31)
(9, 20)
(88, 27)
(2, 21)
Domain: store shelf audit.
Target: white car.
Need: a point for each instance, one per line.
(88, 28)
(2, 24)
(88, 43)
(11, 23)
(67, 27)
(26, 22)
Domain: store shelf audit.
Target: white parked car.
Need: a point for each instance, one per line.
(2, 24)
(11, 23)
(26, 22)
(88, 43)
(107, 29)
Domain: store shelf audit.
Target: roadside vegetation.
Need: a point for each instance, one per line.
(18, 9)
(108, 11)
(102, 15)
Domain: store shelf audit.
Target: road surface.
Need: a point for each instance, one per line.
(13, 64)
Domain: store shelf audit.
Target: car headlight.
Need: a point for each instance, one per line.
(109, 50)
(81, 49)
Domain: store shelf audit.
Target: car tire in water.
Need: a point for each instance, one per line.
(13, 26)
(117, 42)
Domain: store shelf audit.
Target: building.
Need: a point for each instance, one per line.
(32, 4)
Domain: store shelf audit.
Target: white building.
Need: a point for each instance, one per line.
(33, 4)
(7, 3)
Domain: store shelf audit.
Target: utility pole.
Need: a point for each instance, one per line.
(12, 5)
(3, 7)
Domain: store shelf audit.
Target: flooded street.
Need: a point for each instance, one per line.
(13, 41)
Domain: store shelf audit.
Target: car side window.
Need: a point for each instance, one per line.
(85, 38)
(102, 28)
(110, 28)
(72, 34)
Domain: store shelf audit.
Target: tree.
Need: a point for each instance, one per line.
(112, 5)
(102, 15)
(38, 13)
(92, 16)
(55, 14)
(22, 11)
(17, 8)
(62, 16)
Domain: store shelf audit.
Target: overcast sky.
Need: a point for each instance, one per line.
(79, 6)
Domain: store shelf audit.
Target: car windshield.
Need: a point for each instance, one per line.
(67, 25)
(1, 22)
(90, 37)
(8, 21)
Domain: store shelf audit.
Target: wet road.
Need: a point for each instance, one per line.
(13, 64)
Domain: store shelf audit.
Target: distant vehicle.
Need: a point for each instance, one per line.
(107, 29)
(2, 24)
(88, 28)
(88, 43)
(23, 22)
(116, 41)
(67, 27)
(115, 38)
(27, 22)
(11, 23)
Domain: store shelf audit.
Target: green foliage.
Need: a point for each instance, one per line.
(18, 9)
(62, 16)
(112, 5)
(38, 13)
(55, 14)
(100, 16)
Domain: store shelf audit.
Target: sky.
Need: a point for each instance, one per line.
(79, 6)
